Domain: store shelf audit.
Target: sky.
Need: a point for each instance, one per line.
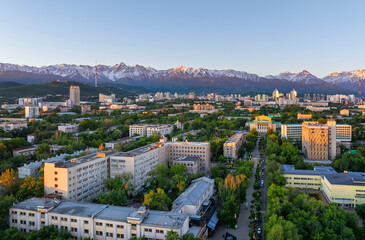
(256, 36)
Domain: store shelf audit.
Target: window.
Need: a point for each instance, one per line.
(86, 222)
(108, 234)
(63, 219)
(56, 179)
(99, 233)
(55, 173)
(86, 231)
(159, 231)
(14, 220)
(73, 229)
(31, 214)
(120, 226)
(120, 235)
(134, 226)
(54, 218)
(98, 224)
(73, 220)
(148, 230)
(109, 225)
(56, 185)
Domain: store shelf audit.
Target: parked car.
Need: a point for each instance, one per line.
(262, 183)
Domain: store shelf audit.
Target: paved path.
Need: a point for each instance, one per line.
(242, 231)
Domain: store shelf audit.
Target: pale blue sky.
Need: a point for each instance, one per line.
(257, 36)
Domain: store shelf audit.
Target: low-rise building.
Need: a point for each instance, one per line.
(112, 144)
(9, 126)
(232, 146)
(191, 200)
(191, 163)
(345, 112)
(28, 151)
(159, 129)
(347, 189)
(96, 221)
(106, 98)
(31, 138)
(304, 116)
(262, 124)
(66, 128)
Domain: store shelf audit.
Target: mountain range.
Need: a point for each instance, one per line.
(183, 79)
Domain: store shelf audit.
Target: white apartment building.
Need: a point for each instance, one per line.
(159, 129)
(31, 112)
(68, 128)
(232, 146)
(292, 131)
(80, 179)
(30, 101)
(343, 133)
(96, 221)
(138, 162)
(9, 126)
(24, 151)
(137, 129)
(142, 160)
(150, 129)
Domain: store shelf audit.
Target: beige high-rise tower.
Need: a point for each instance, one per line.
(319, 140)
(75, 95)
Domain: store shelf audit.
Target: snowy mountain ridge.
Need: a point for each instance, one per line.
(138, 72)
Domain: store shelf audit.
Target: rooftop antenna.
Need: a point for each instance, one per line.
(96, 74)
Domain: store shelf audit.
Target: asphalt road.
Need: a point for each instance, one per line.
(242, 231)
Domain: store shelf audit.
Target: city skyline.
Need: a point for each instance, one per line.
(270, 38)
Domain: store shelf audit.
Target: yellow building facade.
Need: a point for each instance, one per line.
(347, 189)
(262, 124)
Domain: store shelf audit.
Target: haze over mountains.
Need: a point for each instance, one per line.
(182, 79)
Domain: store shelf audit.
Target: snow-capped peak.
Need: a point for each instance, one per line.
(302, 77)
(345, 76)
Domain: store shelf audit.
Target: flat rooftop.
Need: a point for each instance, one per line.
(346, 178)
(80, 160)
(234, 138)
(121, 140)
(137, 151)
(35, 203)
(160, 219)
(290, 169)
